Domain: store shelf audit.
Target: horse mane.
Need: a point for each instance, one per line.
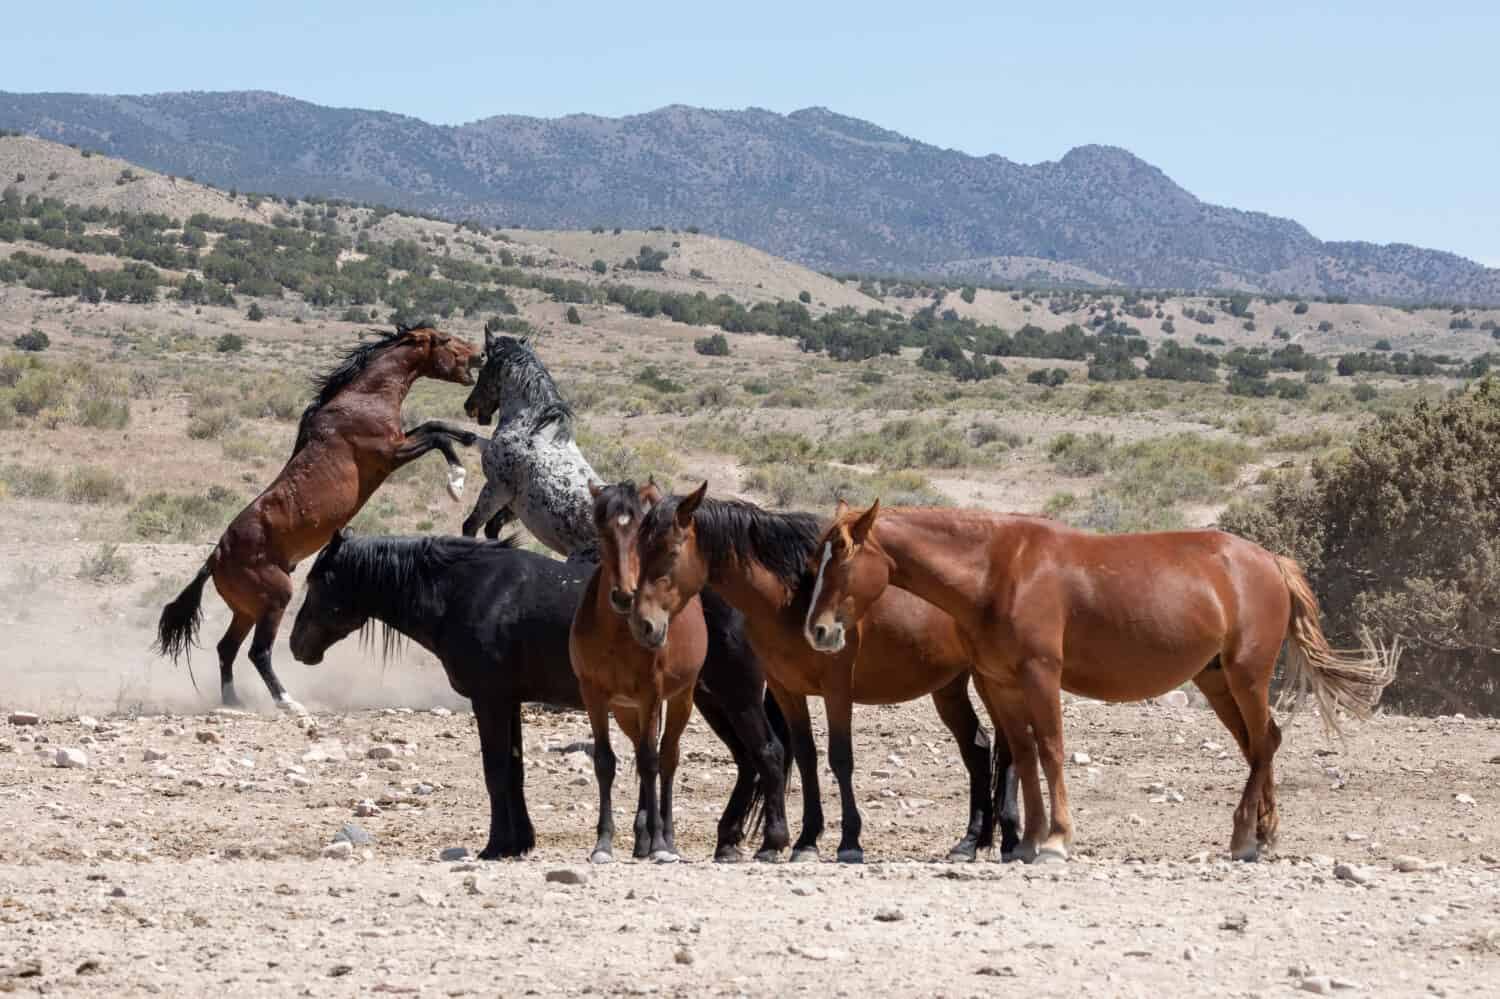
(397, 577)
(350, 367)
(734, 529)
(529, 378)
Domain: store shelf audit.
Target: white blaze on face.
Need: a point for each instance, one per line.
(817, 589)
(623, 519)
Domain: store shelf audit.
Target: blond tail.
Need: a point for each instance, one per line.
(1348, 681)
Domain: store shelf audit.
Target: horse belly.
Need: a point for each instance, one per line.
(1134, 674)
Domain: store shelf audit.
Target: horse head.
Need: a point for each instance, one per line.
(444, 356)
(327, 615)
(672, 571)
(618, 511)
(852, 573)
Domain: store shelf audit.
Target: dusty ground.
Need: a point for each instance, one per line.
(202, 869)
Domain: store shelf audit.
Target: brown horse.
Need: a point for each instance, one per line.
(349, 441)
(1115, 618)
(614, 672)
(907, 649)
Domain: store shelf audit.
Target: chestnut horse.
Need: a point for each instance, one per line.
(757, 560)
(616, 673)
(1114, 618)
(349, 441)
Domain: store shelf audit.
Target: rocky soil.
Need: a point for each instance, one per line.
(178, 854)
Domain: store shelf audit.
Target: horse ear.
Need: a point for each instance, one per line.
(840, 509)
(595, 489)
(650, 494)
(861, 528)
(689, 506)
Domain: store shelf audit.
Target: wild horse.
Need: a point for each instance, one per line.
(535, 473)
(906, 649)
(349, 441)
(498, 619)
(1121, 617)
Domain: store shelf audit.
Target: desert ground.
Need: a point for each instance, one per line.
(191, 849)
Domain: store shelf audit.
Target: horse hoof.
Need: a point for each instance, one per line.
(290, 706)
(851, 855)
(767, 856)
(1051, 855)
(1249, 854)
(1024, 853)
(728, 855)
(456, 483)
(805, 855)
(601, 857)
(962, 854)
(664, 857)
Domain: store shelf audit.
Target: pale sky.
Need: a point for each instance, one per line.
(1376, 120)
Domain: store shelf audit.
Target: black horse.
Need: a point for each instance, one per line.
(497, 617)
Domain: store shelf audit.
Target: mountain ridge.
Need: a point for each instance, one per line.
(828, 190)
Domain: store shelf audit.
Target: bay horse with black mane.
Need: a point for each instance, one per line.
(1122, 617)
(758, 561)
(497, 618)
(349, 441)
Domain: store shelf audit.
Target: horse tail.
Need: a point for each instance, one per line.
(755, 815)
(1350, 680)
(177, 630)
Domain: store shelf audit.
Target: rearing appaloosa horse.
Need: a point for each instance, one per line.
(349, 441)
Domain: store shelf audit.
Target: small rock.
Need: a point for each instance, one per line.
(353, 835)
(474, 886)
(994, 971)
(1464, 799)
(1190, 953)
(297, 780)
(153, 755)
(1173, 699)
(1082, 759)
(367, 809)
(1489, 858)
(207, 735)
(1352, 874)
(430, 898)
(1235, 922)
(339, 970)
(804, 888)
(25, 718)
(889, 914)
(683, 956)
(117, 892)
(380, 753)
(442, 712)
(1409, 865)
(1355, 837)
(70, 758)
(1427, 919)
(454, 853)
(568, 876)
(1321, 984)
(338, 850)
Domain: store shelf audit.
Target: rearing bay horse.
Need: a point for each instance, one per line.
(349, 441)
(1116, 618)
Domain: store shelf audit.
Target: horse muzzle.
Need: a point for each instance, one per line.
(650, 634)
(827, 638)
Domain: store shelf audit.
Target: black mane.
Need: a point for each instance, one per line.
(396, 577)
(514, 360)
(351, 367)
(729, 529)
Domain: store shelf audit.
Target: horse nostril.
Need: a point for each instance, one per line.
(820, 632)
(619, 600)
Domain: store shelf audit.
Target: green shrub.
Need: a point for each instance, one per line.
(30, 482)
(104, 412)
(33, 342)
(1400, 533)
(654, 379)
(37, 391)
(572, 316)
(1364, 392)
(163, 516)
(716, 345)
(106, 565)
(1088, 454)
(805, 297)
(229, 343)
(94, 486)
(599, 267)
(256, 313)
(210, 424)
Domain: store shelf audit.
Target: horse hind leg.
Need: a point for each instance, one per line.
(280, 594)
(1040, 685)
(1249, 685)
(228, 648)
(732, 822)
(679, 710)
(956, 712)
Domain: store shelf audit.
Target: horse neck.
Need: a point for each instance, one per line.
(750, 587)
(393, 605)
(389, 377)
(942, 556)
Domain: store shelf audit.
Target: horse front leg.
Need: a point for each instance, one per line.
(805, 753)
(494, 749)
(679, 710)
(419, 440)
(840, 707)
(597, 704)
